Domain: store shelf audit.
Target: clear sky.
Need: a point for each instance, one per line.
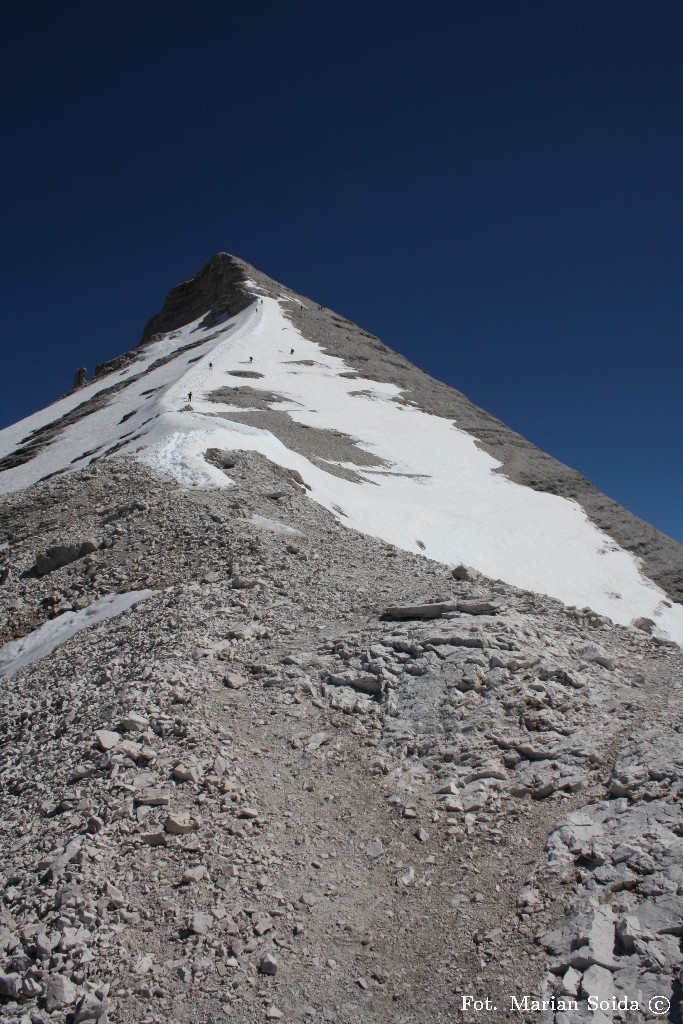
(494, 187)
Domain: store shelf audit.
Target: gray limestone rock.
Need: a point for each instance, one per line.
(583, 940)
(62, 554)
(201, 923)
(153, 797)
(10, 986)
(492, 606)
(90, 1007)
(268, 965)
(571, 982)
(597, 986)
(59, 992)
(464, 725)
(464, 573)
(418, 611)
(363, 681)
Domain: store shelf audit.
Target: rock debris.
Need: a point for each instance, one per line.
(322, 781)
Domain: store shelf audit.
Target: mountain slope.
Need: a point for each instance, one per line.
(398, 455)
(263, 759)
(250, 767)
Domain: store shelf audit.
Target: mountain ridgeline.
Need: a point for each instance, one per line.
(219, 290)
(319, 701)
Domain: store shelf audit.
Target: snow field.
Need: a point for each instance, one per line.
(438, 495)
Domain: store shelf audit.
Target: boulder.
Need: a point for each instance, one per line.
(464, 573)
(10, 986)
(89, 1008)
(200, 923)
(233, 680)
(179, 824)
(62, 554)
(366, 682)
(59, 992)
(107, 739)
(582, 940)
(597, 984)
(593, 653)
(268, 965)
(133, 722)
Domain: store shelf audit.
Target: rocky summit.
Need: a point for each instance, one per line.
(325, 696)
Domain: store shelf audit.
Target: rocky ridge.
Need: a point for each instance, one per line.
(314, 777)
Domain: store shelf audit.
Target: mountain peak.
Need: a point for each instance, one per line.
(217, 290)
(236, 361)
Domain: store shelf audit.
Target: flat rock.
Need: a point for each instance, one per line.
(134, 722)
(582, 940)
(366, 682)
(129, 748)
(234, 681)
(490, 606)
(191, 875)
(107, 739)
(598, 983)
(179, 824)
(186, 773)
(432, 610)
(153, 797)
(201, 923)
(153, 838)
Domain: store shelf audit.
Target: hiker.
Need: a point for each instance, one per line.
(251, 359)
(189, 396)
(211, 366)
(291, 351)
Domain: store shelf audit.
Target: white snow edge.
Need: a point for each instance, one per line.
(17, 654)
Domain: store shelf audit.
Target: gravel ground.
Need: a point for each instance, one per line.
(316, 778)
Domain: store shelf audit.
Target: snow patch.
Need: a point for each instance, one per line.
(271, 524)
(16, 654)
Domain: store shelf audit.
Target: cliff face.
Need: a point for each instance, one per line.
(215, 292)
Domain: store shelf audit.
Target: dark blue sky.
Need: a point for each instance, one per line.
(491, 186)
